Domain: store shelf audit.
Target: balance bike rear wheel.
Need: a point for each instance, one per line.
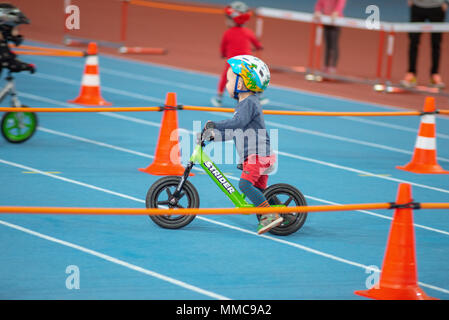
(287, 195)
(18, 127)
(158, 197)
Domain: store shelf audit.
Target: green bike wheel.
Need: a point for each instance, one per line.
(18, 127)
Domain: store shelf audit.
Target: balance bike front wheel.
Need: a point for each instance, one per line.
(162, 191)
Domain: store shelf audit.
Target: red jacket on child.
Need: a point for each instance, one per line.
(237, 41)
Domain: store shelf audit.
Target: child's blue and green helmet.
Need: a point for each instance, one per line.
(254, 72)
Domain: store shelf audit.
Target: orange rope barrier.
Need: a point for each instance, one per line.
(207, 211)
(190, 211)
(89, 109)
(25, 47)
(43, 51)
(216, 109)
(316, 113)
(333, 114)
(177, 7)
(51, 53)
(434, 205)
(228, 110)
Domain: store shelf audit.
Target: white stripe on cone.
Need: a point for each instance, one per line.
(91, 80)
(426, 143)
(92, 61)
(428, 118)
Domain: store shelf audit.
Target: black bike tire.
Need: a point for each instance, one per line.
(299, 199)
(154, 191)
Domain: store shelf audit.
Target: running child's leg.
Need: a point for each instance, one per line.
(254, 194)
(218, 100)
(252, 183)
(223, 79)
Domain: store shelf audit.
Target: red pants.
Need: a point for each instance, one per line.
(254, 169)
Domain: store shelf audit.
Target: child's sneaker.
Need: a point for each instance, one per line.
(332, 70)
(217, 101)
(409, 80)
(436, 82)
(329, 72)
(268, 222)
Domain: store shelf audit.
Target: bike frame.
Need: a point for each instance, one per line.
(10, 88)
(200, 157)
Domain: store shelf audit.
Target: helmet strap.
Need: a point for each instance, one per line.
(236, 90)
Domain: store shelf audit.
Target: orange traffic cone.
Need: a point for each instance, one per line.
(90, 84)
(167, 159)
(398, 279)
(424, 158)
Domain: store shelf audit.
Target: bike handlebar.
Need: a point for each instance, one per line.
(201, 140)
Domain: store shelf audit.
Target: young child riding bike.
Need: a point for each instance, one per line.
(246, 78)
(10, 18)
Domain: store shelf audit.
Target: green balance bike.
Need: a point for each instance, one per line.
(177, 192)
(16, 127)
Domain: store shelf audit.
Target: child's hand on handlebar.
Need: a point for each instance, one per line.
(209, 125)
(208, 131)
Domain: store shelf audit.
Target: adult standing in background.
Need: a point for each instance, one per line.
(333, 8)
(421, 11)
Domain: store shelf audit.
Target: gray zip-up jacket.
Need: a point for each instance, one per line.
(428, 3)
(247, 129)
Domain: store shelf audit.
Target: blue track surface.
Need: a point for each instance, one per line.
(91, 160)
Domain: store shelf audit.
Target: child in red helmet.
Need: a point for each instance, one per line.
(237, 40)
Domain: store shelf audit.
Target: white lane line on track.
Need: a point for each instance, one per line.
(125, 264)
(213, 91)
(329, 164)
(379, 215)
(272, 123)
(137, 153)
(337, 166)
(271, 238)
(359, 119)
(103, 88)
(334, 137)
